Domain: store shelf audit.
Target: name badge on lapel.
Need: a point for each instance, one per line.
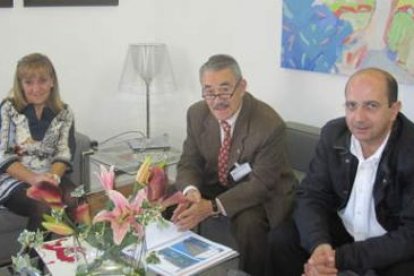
(240, 171)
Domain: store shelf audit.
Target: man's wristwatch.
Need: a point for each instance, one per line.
(216, 210)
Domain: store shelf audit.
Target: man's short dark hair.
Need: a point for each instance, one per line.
(392, 85)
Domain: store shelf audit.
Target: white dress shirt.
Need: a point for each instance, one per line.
(359, 216)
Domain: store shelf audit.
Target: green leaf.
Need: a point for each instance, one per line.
(152, 258)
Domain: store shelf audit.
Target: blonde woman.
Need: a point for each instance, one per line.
(36, 137)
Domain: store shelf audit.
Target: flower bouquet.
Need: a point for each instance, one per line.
(121, 223)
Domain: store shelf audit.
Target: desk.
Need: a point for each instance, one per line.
(126, 162)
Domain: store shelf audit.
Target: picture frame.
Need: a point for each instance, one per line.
(55, 3)
(6, 3)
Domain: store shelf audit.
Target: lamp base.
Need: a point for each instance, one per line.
(159, 142)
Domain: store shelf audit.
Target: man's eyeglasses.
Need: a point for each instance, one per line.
(225, 91)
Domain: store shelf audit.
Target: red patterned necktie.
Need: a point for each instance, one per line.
(223, 157)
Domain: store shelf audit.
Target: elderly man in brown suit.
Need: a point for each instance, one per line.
(234, 162)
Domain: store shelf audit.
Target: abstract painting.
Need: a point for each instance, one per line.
(342, 36)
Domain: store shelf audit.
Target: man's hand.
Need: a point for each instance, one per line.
(188, 215)
(191, 217)
(321, 262)
(193, 196)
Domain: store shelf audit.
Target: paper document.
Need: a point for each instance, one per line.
(182, 253)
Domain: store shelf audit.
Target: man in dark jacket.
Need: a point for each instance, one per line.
(355, 208)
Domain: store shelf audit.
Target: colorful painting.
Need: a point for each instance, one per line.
(342, 36)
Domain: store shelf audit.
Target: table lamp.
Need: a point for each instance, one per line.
(147, 70)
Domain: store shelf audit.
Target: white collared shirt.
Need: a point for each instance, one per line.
(359, 216)
(232, 122)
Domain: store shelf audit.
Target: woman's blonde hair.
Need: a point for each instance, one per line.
(27, 67)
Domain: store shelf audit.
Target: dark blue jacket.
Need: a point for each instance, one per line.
(328, 185)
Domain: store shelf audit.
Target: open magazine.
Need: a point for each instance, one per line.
(181, 253)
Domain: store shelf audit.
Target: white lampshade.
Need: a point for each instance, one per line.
(147, 64)
(147, 71)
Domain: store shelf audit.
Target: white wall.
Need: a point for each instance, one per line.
(88, 46)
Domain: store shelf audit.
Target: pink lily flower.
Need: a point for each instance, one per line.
(139, 199)
(106, 177)
(48, 193)
(122, 217)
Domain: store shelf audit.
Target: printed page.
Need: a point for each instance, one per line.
(156, 234)
(189, 254)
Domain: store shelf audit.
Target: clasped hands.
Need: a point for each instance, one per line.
(24, 174)
(321, 262)
(188, 215)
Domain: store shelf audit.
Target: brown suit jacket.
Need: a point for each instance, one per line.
(258, 139)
